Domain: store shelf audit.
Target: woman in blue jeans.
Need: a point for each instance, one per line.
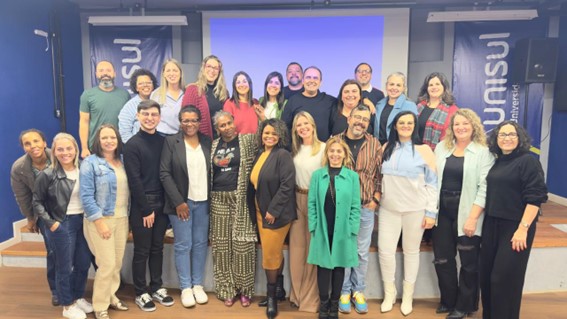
(56, 202)
(185, 175)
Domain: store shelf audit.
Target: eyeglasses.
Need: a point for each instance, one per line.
(360, 118)
(144, 83)
(210, 67)
(187, 122)
(363, 71)
(512, 135)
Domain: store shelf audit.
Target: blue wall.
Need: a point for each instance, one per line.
(557, 170)
(27, 84)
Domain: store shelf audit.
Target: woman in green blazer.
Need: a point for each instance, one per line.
(334, 220)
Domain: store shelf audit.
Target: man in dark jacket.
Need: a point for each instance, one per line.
(22, 178)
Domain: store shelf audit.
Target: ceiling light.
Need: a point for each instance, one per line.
(481, 15)
(137, 20)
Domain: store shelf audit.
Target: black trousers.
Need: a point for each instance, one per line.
(148, 249)
(503, 270)
(330, 280)
(462, 293)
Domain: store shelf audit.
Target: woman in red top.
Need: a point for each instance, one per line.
(241, 104)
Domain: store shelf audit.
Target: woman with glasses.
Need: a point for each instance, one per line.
(185, 175)
(142, 83)
(349, 97)
(208, 93)
(514, 193)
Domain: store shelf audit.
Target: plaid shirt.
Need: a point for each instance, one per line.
(438, 122)
(368, 166)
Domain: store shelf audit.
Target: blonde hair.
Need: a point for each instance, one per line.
(296, 140)
(162, 89)
(63, 136)
(343, 144)
(220, 91)
(478, 135)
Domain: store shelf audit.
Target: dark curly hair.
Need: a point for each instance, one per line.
(280, 128)
(524, 140)
(138, 73)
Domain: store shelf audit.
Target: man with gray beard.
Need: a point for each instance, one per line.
(100, 105)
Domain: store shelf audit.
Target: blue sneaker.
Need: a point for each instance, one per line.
(344, 303)
(359, 302)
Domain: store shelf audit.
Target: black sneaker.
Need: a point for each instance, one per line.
(162, 297)
(145, 302)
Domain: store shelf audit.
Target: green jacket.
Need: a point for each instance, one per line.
(347, 219)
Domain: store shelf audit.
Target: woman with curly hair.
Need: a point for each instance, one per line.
(463, 161)
(514, 193)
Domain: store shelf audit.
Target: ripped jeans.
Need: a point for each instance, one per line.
(462, 292)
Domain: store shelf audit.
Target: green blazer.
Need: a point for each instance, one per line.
(347, 219)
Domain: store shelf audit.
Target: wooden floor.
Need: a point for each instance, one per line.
(25, 295)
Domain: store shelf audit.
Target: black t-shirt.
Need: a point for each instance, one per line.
(383, 135)
(453, 174)
(422, 120)
(226, 163)
(354, 146)
(289, 92)
(215, 104)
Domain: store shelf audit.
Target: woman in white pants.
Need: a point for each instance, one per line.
(408, 205)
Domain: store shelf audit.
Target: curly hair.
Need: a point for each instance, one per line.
(447, 95)
(478, 135)
(334, 140)
(280, 128)
(141, 72)
(524, 140)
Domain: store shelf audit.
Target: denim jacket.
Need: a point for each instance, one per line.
(408, 183)
(98, 187)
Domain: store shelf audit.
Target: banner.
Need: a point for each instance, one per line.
(129, 49)
(482, 73)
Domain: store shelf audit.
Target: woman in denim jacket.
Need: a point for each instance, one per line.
(105, 195)
(56, 202)
(408, 204)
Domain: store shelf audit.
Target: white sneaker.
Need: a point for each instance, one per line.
(187, 298)
(200, 294)
(85, 306)
(169, 233)
(74, 312)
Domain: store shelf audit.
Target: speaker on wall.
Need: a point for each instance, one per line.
(535, 60)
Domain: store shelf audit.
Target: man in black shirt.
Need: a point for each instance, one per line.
(294, 76)
(370, 95)
(147, 219)
(311, 100)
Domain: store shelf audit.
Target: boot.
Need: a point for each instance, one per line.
(407, 298)
(389, 296)
(280, 292)
(272, 305)
(324, 309)
(334, 309)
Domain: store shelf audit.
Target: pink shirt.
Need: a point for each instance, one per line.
(245, 119)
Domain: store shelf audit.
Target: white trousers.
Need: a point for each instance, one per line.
(390, 225)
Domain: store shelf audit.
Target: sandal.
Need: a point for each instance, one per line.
(229, 301)
(245, 301)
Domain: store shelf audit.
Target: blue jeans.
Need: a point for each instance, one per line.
(72, 259)
(354, 277)
(191, 244)
(50, 257)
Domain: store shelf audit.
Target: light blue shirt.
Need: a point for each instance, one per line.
(402, 104)
(169, 123)
(477, 162)
(128, 124)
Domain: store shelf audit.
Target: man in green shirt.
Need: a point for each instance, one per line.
(100, 105)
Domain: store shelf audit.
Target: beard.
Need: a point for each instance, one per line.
(106, 82)
(294, 81)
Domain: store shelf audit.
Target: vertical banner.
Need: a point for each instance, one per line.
(129, 49)
(482, 73)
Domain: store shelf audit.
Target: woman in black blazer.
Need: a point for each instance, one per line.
(184, 173)
(272, 193)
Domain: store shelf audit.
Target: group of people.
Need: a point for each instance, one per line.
(231, 170)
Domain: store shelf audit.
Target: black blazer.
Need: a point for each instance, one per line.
(276, 189)
(173, 169)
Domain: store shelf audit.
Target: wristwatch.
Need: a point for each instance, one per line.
(526, 225)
